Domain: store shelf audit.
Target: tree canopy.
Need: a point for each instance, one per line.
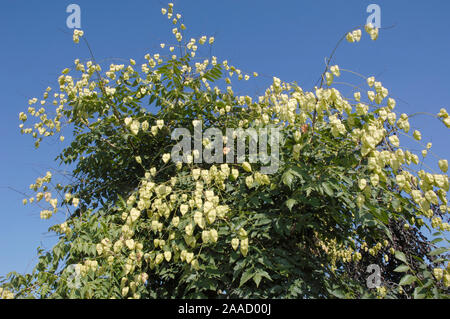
(345, 197)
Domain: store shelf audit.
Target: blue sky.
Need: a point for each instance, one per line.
(287, 39)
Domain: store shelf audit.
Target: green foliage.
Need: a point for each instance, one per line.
(144, 227)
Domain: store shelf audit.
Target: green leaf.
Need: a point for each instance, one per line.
(407, 280)
(338, 294)
(419, 293)
(436, 240)
(437, 234)
(257, 279)
(308, 191)
(287, 178)
(438, 251)
(264, 274)
(402, 268)
(327, 189)
(246, 276)
(297, 171)
(290, 203)
(400, 256)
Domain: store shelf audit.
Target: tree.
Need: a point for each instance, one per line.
(344, 195)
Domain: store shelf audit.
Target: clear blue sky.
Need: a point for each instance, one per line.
(287, 39)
